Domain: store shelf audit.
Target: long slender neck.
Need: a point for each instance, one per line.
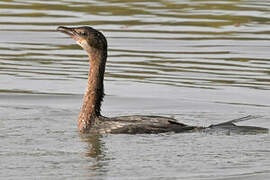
(93, 97)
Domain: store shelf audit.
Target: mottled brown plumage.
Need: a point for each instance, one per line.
(90, 118)
(95, 44)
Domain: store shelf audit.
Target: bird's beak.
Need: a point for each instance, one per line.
(69, 31)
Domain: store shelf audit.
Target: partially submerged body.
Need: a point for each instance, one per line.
(139, 124)
(90, 119)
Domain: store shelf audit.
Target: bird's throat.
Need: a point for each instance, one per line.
(93, 96)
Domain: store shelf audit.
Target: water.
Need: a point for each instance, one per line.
(201, 62)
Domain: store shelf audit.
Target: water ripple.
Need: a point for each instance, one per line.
(197, 44)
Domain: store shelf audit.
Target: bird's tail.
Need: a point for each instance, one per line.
(229, 126)
(245, 118)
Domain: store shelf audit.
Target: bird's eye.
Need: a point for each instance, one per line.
(83, 33)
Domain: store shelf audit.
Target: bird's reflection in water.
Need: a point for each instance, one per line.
(95, 152)
(94, 143)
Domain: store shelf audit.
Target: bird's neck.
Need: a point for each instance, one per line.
(93, 97)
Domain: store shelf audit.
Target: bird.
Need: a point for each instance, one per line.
(91, 120)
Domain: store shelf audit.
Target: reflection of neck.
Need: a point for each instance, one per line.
(95, 147)
(94, 94)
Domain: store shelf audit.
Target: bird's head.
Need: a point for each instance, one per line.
(87, 37)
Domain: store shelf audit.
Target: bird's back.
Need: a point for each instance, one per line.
(139, 124)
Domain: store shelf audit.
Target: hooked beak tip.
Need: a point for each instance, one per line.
(61, 28)
(66, 30)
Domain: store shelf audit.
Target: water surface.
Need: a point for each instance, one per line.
(202, 62)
